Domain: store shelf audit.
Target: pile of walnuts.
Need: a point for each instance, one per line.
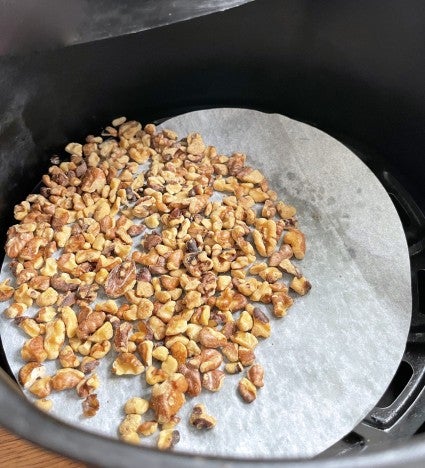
(147, 247)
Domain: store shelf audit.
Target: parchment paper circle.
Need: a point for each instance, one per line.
(329, 361)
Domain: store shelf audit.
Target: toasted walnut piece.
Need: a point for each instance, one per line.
(127, 364)
(17, 309)
(120, 279)
(193, 378)
(166, 400)
(247, 390)
(33, 350)
(170, 365)
(300, 285)
(44, 404)
(288, 267)
(245, 321)
(54, 338)
(147, 428)
(122, 335)
(285, 211)
(296, 239)
(200, 418)
(29, 373)
(47, 298)
(88, 386)
(66, 378)
(211, 338)
(99, 350)
(88, 364)
(160, 353)
(30, 327)
(41, 388)
(155, 375)
(93, 181)
(24, 295)
(210, 359)
(261, 326)
(92, 322)
(145, 349)
(136, 405)
(67, 357)
(90, 406)
(175, 326)
(130, 424)
(256, 375)
(6, 291)
(45, 315)
(246, 356)
(167, 439)
(213, 380)
(69, 318)
(246, 339)
(233, 367)
(281, 302)
(230, 351)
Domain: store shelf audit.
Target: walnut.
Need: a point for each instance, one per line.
(200, 418)
(136, 405)
(66, 378)
(33, 350)
(90, 406)
(89, 325)
(147, 428)
(93, 181)
(41, 387)
(44, 404)
(120, 279)
(166, 400)
(6, 291)
(256, 375)
(213, 380)
(167, 439)
(127, 364)
(87, 386)
(296, 239)
(67, 357)
(193, 378)
(210, 359)
(300, 285)
(211, 338)
(29, 373)
(281, 302)
(247, 390)
(54, 339)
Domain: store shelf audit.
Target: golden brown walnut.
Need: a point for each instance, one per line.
(296, 239)
(256, 375)
(300, 285)
(29, 373)
(33, 350)
(121, 279)
(127, 364)
(6, 291)
(167, 439)
(93, 181)
(247, 390)
(166, 400)
(200, 418)
(213, 380)
(66, 378)
(193, 378)
(90, 406)
(41, 388)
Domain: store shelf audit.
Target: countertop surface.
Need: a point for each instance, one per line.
(18, 453)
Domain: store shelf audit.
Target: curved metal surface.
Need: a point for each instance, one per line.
(30, 25)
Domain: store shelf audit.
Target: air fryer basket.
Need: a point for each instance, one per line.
(354, 69)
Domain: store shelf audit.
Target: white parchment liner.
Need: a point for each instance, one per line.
(329, 361)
